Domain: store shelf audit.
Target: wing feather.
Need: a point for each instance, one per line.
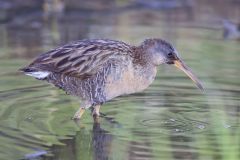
(82, 58)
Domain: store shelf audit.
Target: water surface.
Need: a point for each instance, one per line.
(172, 119)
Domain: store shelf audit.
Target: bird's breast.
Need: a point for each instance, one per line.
(128, 80)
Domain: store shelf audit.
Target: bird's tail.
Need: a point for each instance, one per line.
(27, 69)
(35, 73)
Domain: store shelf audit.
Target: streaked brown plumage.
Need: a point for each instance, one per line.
(98, 70)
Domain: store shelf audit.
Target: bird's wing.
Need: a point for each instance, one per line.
(82, 58)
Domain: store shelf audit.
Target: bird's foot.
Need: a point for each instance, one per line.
(96, 118)
(78, 114)
(96, 114)
(75, 118)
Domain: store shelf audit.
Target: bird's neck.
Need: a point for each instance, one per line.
(139, 56)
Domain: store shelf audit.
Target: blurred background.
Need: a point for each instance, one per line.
(172, 119)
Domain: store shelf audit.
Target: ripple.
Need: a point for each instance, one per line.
(176, 126)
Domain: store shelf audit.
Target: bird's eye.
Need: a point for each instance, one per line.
(170, 54)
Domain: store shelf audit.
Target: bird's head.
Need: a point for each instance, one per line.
(161, 52)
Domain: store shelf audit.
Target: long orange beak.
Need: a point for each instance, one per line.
(180, 64)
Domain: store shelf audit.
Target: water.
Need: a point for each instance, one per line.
(172, 119)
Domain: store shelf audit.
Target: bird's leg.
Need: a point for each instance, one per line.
(96, 110)
(96, 113)
(79, 113)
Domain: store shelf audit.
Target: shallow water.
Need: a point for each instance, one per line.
(172, 119)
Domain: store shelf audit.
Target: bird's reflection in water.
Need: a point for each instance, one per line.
(101, 142)
(87, 144)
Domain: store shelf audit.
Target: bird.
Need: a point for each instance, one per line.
(231, 31)
(98, 70)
